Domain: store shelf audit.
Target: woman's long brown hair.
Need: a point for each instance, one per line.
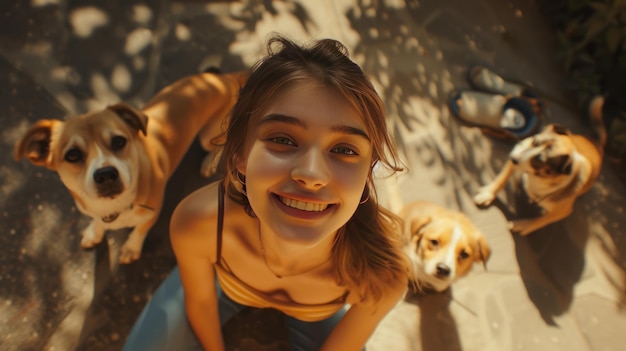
(367, 252)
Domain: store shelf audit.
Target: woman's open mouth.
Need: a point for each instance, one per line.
(302, 205)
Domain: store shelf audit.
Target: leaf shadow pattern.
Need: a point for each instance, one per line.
(40, 226)
(396, 57)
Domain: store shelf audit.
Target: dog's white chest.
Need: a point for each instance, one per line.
(129, 218)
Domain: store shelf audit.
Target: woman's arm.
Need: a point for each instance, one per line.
(192, 232)
(201, 302)
(358, 324)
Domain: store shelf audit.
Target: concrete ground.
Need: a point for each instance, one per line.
(561, 288)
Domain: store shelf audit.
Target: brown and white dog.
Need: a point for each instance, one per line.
(442, 244)
(556, 168)
(115, 162)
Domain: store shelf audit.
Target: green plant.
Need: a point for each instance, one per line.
(592, 48)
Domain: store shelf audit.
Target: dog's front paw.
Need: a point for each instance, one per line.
(484, 197)
(91, 236)
(129, 253)
(131, 250)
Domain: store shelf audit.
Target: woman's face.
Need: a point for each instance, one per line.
(308, 163)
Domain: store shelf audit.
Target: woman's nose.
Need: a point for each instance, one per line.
(311, 170)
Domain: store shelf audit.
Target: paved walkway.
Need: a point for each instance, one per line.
(562, 288)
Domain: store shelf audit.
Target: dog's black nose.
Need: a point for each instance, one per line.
(105, 175)
(443, 270)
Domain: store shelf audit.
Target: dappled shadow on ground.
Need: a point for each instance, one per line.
(408, 69)
(39, 233)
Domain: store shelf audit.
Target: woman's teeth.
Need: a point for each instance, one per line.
(304, 206)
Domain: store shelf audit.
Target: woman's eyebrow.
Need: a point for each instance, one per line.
(276, 117)
(350, 131)
(343, 129)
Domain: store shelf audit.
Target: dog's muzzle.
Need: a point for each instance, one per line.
(443, 271)
(106, 175)
(107, 181)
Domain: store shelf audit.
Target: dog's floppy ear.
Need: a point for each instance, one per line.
(34, 145)
(415, 224)
(131, 115)
(484, 250)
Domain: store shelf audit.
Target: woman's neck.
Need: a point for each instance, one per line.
(284, 258)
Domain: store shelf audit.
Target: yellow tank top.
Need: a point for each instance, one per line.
(246, 295)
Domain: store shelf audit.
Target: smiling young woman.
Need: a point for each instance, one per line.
(294, 225)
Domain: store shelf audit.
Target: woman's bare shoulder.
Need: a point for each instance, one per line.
(193, 226)
(201, 205)
(194, 221)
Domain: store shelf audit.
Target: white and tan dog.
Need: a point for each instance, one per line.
(116, 162)
(442, 244)
(556, 167)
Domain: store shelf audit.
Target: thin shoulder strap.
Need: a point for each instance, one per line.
(220, 222)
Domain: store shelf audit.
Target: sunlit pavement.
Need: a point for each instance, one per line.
(560, 288)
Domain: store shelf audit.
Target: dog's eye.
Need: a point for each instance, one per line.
(73, 155)
(118, 143)
(535, 142)
(463, 255)
(434, 242)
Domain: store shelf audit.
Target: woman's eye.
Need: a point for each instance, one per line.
(344, 150)
(282, 140)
